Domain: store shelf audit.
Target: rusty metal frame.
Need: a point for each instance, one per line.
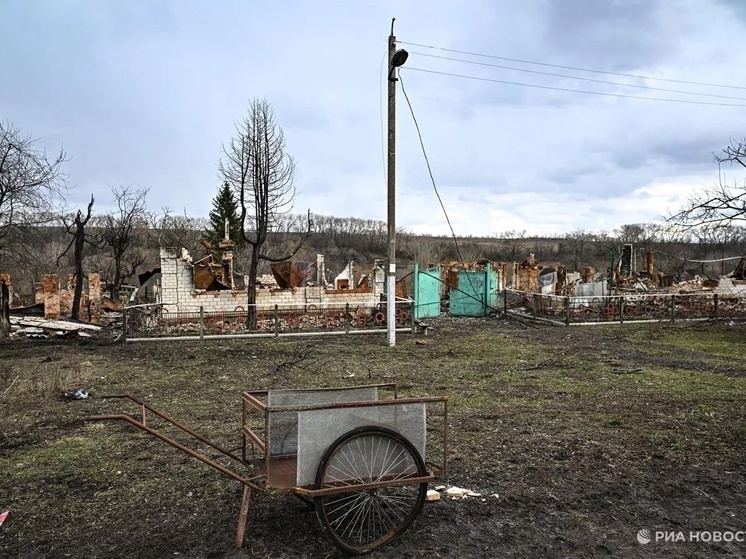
(311, 493)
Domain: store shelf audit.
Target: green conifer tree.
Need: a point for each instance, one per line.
(224, 205)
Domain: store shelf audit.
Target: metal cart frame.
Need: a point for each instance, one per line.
(367, 485)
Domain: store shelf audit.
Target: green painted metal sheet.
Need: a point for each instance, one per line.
(427, 292)
(476, 292)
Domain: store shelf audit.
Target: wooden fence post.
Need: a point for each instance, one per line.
(673, 308)
(277, 321)
(124, 324)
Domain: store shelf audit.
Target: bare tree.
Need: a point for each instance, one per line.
(30, 180)
(720, 203)
(179, 231)
(470, 252)
(669, 234)
(579, 244)
(511, 241)
(262, 174)
(630, 233)
(427, 251)
(79, 240)
(714, 242)
(117, 232)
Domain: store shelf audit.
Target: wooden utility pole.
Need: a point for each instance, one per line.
(396, 59)
(391, 273)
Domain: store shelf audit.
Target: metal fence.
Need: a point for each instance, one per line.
(155, 321)
(624, 308)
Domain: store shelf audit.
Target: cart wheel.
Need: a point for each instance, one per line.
(361, 521)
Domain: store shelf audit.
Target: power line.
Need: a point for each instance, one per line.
(432, 178)
(573, 67)
(408, 68)
(427, 160)
(577, 77)
(699, 261)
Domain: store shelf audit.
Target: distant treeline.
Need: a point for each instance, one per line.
(344, 239)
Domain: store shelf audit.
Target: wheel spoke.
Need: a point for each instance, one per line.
(349, 502)
(384, 514)
(401, 458)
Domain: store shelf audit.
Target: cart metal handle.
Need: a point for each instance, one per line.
(248, 481)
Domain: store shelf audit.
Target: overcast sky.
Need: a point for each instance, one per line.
(145, 93)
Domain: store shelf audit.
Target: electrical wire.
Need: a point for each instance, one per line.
(606, 82)
(681, 101)
(705, 84)
(435, 188)
(566, 89)
(427, 162)
(699, 261)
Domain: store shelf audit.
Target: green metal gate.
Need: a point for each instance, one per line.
(476, 293)
(427, 287)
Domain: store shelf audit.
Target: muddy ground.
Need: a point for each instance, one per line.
(575, 438)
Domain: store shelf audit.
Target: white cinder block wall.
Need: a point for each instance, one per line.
(178, 294)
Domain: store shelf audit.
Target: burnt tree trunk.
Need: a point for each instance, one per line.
(117, 278)
(79, 244)
(251, 289)
(77, 230)
(4, 310)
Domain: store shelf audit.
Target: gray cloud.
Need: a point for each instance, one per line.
(619, 35)
(146, 94)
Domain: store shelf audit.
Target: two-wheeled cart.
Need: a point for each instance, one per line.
(358, 457)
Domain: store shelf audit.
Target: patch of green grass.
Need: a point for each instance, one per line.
(473, 401)
(716, 340)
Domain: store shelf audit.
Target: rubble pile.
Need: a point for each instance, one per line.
(40, 328)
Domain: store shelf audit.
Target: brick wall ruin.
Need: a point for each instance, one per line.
(51, 292)
(58, 301)
(179, 295)
(526, 275)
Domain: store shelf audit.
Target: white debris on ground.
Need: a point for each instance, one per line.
(32, 327)
(453, 492)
